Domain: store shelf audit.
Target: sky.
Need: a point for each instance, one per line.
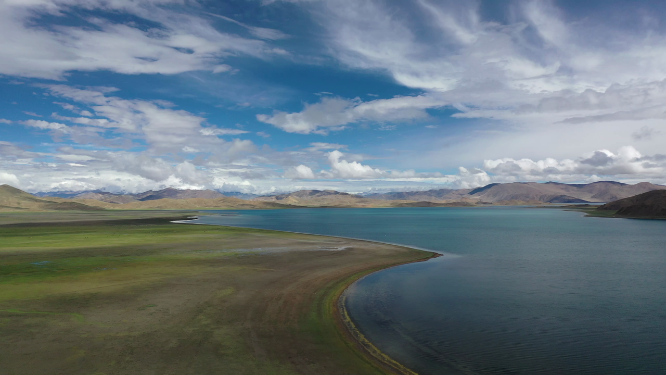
(268, 96)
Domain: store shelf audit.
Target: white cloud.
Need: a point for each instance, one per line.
(45, 125)
(319, 146)
(9, 179)
(541, 68)
(82, 120)
(263, 134)
(5, 121)
(300, 172)
(470, 178)
(353, 170)
(184, 43)
(626, 163)
(163, 128)
(222, 68)
(332, 114)
(259, 32)
(222, 131)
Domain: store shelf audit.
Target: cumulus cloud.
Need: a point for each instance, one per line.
(470, 178)
(300, 172)
(354, 170)
(626, 163)
(9, 179)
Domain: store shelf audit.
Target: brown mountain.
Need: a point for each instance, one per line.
(13, 199)
(647, 205)
(553, 192)
(528, 193)
(107, 197)
(438, 195)
(168, 193)
(172, 193)
(324, 198)
(186, 204)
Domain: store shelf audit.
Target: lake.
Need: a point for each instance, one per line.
(519, 290)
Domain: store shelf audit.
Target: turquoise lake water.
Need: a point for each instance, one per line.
(519, 290)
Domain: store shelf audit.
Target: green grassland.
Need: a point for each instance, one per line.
(123, 293)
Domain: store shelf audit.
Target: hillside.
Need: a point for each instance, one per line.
(186, 204)
(168, 193)
(437, 195)
(647, 205)
(517, 193)
(13, 199)
(528, 193)
(323, 198)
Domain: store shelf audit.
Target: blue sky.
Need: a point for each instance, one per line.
(273, 96)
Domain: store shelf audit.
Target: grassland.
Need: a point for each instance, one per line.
(125, 294)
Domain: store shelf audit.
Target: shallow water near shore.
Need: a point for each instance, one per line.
(523, 291)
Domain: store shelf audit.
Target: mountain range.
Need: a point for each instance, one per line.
(145, 196)
(499, 194)
(13, 199)
(530, 192)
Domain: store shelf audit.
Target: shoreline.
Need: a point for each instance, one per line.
(337, 303)
(354, 335)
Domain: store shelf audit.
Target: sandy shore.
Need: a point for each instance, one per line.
(151, 297)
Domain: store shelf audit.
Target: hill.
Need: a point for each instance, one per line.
(13, 199)
(437, 195)
(529, 193)
(647, 205)
(186, 204)
(324, 198)
(168, 193)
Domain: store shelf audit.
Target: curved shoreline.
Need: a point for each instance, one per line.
(353, 334)
(337, 303)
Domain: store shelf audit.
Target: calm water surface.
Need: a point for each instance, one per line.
(520, 291)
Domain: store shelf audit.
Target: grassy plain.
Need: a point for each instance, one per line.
(122, 293)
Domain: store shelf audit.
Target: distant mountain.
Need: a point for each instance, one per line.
(528, 193)
(239, 195)
(107, 197)
(428, 196)
(647, 205)
(168, 193)
(185, 204)
(553, 192)
(323, 198)
(13, 199)
(517, 193)
(172, 193)
(61, 194)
